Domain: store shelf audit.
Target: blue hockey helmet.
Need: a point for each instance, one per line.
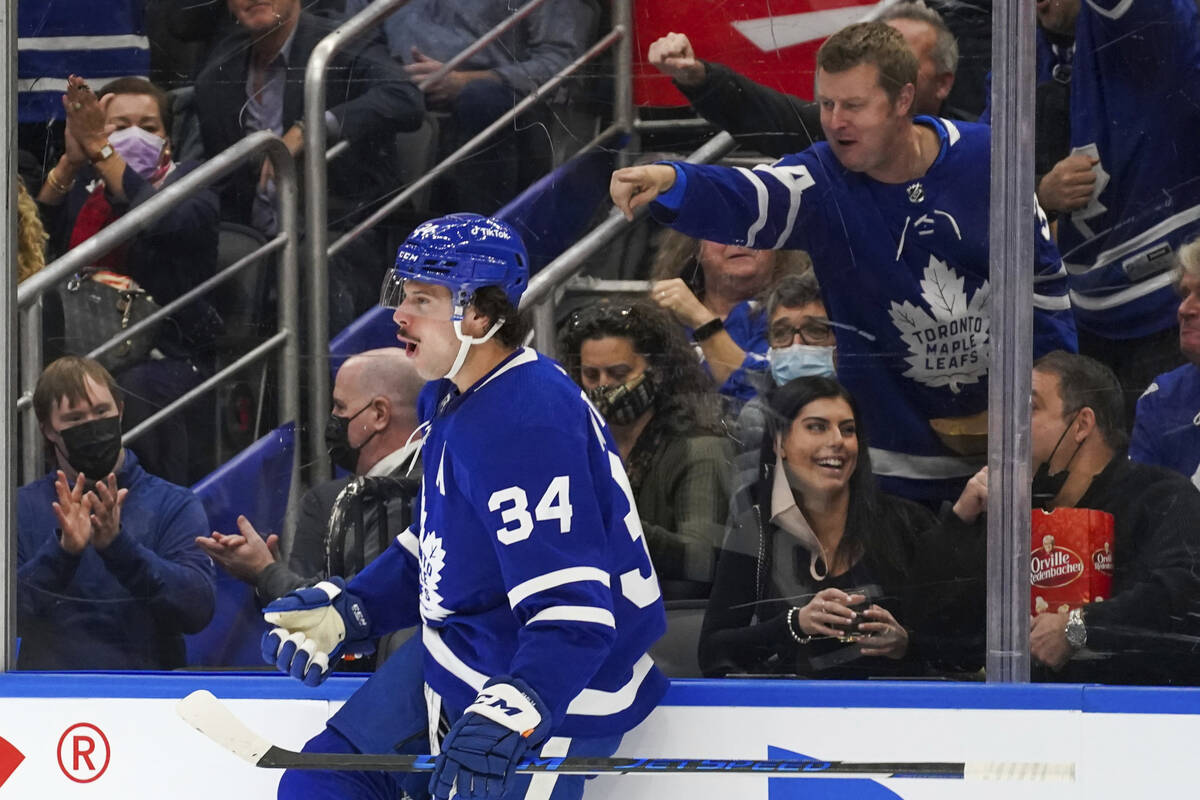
(463, 252)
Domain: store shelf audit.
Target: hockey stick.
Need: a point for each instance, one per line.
(208, 715)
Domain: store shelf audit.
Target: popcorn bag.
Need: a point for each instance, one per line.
(1070, 561)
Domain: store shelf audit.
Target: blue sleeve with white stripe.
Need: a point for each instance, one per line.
(766, 207)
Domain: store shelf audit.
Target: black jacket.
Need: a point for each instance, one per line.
(761, 118)
(1145, 632)
(366, 90)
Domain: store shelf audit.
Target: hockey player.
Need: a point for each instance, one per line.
(894, 212)
(527, 569)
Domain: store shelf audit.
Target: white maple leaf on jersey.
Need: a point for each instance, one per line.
(942, 289)
(433, 559)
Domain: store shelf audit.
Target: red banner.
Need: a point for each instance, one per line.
(773, 42)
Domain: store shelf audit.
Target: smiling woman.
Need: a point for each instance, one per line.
(813, 577)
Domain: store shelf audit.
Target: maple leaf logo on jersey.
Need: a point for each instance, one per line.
(948, 345)
(433, 559)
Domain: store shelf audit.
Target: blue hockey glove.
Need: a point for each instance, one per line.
(315, 626)
(483, 748)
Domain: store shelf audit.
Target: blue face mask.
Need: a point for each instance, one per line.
(800, 361)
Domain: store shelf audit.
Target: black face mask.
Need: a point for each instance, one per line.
(1045, 486)
(623, 404)
(337, 440)
(93, 447)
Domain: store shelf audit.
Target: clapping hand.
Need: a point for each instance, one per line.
(73, 512)
(243, 555)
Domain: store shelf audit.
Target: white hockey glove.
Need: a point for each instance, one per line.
(315, 627)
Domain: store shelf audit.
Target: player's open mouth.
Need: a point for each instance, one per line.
(410, 345)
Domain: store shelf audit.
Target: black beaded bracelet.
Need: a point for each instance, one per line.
(710, 328)
(793, 625)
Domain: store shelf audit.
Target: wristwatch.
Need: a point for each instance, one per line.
(710, 328)
(105, 152)
(1076, 630)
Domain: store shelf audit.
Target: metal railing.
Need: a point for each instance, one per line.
(542, 286)
(317, 232)
(284, 342)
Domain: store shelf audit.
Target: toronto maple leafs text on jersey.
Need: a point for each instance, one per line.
(1135, 107)
(903, 271)
(528, 557)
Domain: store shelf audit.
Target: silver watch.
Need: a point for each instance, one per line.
(1076, 630)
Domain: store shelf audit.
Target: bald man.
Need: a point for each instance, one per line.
(370, 433)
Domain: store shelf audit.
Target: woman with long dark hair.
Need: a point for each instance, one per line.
(813, 577)
(644, 378)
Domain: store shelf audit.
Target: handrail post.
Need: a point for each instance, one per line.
(30, 353)
(8, 308)
(316, 222)
(623, 111)
(1010, 374)
(288, 363)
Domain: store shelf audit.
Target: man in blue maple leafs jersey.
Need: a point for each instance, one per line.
(894, 212)
(527, 568)
(1130, 185)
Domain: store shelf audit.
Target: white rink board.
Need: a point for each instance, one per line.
(1125, 742)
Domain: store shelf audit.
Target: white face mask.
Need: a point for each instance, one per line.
(139, 148)
(800, 361)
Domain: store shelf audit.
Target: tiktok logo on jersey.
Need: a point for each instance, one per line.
(948, 344)
(433, 559)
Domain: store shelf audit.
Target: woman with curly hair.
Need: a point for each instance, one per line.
(641, 373)
(31, 235)
(716, 292)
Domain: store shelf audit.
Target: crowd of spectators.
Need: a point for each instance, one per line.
(800, 399)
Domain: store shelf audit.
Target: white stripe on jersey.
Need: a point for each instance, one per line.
(449, 661)
(904, 465)
(527, 355)
(550, 580)
(130, 41)
(1140, 289)
(760, 189)
(541, 786)
(600, 616)
(1143, 239)
(599, 703)
(1050, 302)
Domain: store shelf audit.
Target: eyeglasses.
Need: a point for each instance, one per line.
(814, 331)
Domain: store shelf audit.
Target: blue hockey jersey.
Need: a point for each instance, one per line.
(528, 558)
(100, 41)
(1135, 105)
(1167, 429)
(903, 271)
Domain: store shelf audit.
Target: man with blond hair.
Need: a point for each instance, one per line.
(889, 209)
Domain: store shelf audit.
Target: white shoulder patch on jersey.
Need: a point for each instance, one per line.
(441, 482)
(949, 344)
(951, 131)
(1151, 389)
